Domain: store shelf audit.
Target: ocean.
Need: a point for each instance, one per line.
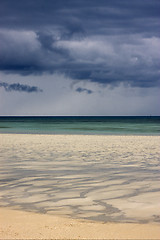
(99, 125)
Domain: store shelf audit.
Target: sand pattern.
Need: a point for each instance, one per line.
(101, 178)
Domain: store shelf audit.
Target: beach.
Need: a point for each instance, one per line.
(26, 225)
(79, 186)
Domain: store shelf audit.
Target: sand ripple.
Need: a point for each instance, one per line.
(103, 178)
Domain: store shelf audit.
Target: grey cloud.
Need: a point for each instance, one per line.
(46, 40)
(107, 42)
(48, 43)
(73, 30)
(88, 91)
(104, 61)
(91, 15)
(19, 87)
(31, 53)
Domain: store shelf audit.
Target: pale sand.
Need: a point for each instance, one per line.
(25, 225)
(106, 178)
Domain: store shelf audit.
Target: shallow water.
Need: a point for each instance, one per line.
(81, 125)
(102, 178)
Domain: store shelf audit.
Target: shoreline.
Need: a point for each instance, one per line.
(15, 224)
(82, 134)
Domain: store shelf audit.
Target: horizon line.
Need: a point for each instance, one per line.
(80, 115)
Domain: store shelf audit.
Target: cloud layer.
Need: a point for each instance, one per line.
(107, 42)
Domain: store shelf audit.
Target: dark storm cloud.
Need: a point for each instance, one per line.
(81, 14)
(88, 91)
(107, 42)
(19, 87)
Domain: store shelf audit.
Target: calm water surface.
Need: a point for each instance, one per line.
(81, 125)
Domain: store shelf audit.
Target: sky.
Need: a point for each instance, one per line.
(79, 57)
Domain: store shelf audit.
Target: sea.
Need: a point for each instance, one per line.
(100, 125)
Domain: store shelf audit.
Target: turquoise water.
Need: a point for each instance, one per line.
(81, 125)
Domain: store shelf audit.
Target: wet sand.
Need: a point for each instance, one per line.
(79, 186)
(26, 225)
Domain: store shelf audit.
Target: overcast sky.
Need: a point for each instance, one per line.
(79, 57)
